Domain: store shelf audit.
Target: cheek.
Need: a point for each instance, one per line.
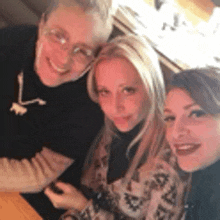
(139, 106)
(43, 50)
(210, 136)
(104, 105)
(211, 148)
(168, 134)
(207, 131)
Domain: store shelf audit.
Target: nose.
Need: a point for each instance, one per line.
(118, 104)
(180, 128)
(64, 58)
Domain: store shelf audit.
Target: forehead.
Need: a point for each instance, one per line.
(115, 71)
(74, 21)
(178, 98)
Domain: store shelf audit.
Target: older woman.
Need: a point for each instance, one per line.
(193, 131)
(129, 172)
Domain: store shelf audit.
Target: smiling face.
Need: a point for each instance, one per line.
(121, 93)
(193, 134)
(55, 66)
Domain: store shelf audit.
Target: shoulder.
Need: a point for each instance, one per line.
(164, 185)
(162, 173)
(164, 160)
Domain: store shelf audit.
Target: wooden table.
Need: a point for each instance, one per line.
(15, 207)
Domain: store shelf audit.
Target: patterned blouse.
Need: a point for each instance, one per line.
(155, 192)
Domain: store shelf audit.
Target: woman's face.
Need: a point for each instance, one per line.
(193, 134)
(121, 93)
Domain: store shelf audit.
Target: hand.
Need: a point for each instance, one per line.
(71, 197)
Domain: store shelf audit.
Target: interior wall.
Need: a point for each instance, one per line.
(21, 11)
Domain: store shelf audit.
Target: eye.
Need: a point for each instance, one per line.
(129, 90)
(103, 93)
(197, 113)
(82, 54)
(58, 36)
(85, 52)
(169, 118)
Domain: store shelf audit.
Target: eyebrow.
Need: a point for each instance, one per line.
(135, 83)
(167, 110)
(123, 85)
(189, 106)
(100, 87)
(185, 107)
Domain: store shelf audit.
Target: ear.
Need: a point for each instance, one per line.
(41, 25)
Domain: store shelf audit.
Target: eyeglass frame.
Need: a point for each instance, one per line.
(89, 53)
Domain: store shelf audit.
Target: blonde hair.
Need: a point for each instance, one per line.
(139, 52)
(101, 10)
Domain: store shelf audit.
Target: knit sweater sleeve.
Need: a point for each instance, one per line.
(32, 175)
(91, 212)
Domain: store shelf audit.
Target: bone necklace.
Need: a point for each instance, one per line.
(19, 107)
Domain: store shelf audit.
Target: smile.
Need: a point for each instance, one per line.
(56, 68)
(186, 149)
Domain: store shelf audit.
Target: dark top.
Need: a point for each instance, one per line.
(120, 159)
(67, 123)
(204, 198)
(118, 164)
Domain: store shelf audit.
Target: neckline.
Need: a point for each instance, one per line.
(130, 133)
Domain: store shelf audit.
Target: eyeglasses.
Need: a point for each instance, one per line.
(59, 41)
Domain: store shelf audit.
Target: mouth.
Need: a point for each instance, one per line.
(56, 69)
(121, 120)
(186, 149)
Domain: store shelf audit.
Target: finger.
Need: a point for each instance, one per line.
(67, 188)
(56, 200)
(50, 195)
(48, 192)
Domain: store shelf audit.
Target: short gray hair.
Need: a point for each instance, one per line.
(101, 10)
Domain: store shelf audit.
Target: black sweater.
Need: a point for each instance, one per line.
(67, 124)
(204, 198)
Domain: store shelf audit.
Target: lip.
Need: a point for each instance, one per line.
(121, 120)
(186, 148)
(55, 68)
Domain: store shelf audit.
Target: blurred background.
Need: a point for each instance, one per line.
(185, 33)
(21, 11)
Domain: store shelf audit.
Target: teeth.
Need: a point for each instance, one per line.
(60, 70)
(184, 147)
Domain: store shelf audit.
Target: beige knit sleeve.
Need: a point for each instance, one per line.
(32, 175)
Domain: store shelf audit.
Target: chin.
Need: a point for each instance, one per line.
(123, 129)
(48, 82)
(189, 167)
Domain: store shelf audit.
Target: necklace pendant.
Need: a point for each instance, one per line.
(18, 109)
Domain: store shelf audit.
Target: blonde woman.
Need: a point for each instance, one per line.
(129, 172)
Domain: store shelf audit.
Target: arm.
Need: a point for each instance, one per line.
(32, 175)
